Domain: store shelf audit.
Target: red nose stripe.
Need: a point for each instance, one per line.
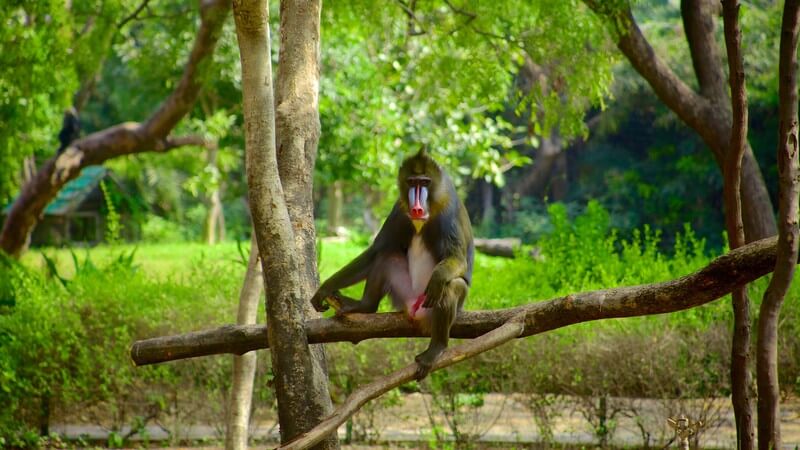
(417, 212)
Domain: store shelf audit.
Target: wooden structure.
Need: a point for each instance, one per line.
(76, 214)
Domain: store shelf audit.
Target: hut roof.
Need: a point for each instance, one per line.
(73, 193)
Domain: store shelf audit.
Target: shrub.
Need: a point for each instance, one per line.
(157, 229)
(64, 347)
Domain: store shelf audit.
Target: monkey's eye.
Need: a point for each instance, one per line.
(420, 180)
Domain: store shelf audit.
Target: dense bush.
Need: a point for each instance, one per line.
(64, 346)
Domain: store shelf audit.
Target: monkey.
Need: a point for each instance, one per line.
(422, 258)
(70, 129)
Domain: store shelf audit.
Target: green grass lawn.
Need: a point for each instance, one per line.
(570, 266)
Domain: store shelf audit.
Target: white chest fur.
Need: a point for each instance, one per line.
(420, 264)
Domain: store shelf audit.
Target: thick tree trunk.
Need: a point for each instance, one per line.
(244, 366)
(297, 128)
(300, 380)
(732, 169)
(297, 124)
(539, 176)
(769, 432)
(28, 169)
(119, 140)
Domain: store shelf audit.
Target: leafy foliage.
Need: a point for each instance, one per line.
(36, 36)
(438, 74)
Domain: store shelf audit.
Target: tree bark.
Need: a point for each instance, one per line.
(718, 278)
(119, 140)
(769, 432)
(298, 129)
(740, 348)
(297, 124)
(244, 366)
(706, 112)
(300, 380)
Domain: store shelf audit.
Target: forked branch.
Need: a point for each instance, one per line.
(512, 329)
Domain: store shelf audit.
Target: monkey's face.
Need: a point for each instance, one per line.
(418, 210)
(419, 181)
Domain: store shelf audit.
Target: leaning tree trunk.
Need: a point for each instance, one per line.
(244, 366)
(740, 348)
(300, 380)
(769, 431)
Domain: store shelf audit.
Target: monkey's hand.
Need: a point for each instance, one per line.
(435, 290)
(320, 300)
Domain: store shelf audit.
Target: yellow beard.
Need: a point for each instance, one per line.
(418, 224)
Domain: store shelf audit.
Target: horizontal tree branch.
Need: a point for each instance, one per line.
(493, 339)
(718, 278)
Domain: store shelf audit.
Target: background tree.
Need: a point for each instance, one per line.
(707, 109)
(769, 430)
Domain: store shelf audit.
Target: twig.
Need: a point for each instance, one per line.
(134, 14)
(412, 18)
(510, 330)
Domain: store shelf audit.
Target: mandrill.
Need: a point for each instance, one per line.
(422, 258)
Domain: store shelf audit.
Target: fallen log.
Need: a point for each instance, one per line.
(504, 247)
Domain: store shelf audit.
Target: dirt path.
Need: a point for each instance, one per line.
(507, 419)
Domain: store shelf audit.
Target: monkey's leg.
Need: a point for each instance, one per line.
(377, 285)
(442, 317)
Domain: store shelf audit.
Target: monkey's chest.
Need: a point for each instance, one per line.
(420, 265)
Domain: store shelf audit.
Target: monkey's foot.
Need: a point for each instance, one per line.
(347, 305)
(426, 359)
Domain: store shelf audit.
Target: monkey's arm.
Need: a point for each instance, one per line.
(447, 270)
(390, 237)
(355, 271)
